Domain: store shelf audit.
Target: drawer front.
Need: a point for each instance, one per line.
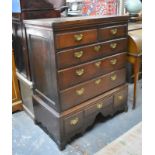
(121, 97)
(112, 32)
(91, 52)
(70, 39)
(73, 122)
(72, 76)
(84, 91)
(99, 106)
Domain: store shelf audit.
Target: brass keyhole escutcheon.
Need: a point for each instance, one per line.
(97, 48)
(99, 105)
(78, 37)
(113, 31)
(80, 72)
(113, 77)
(120, 97)
(78, 54)
(80, 91)
(74, 121)
(98, 64)
(113, 45)
(98, 81)
(113, 61)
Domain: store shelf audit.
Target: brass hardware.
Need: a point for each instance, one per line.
(98, 64)
(78, 54)
(80, 91)
(74, 121)
(97, 48)
(113, 78)
(99, 105)
(80, 72)
(78, 37)
(113, 31)
(113, 45)
(98, 81)
(120, 97)
(113, 62)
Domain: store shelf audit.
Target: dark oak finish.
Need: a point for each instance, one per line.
(90, 52)
(120, 97)
(61, 127)
(32, 9)
(112, 32)
(70, 39)
(72, 87)
(35, 5)
(41, 14)
(27, 5)
(72, 76)
(82, 92)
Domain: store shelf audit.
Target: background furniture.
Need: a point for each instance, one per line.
(16, 99)
(78, 71)
(100, 7)
(29, 9)
(135, 52)
(74, 7)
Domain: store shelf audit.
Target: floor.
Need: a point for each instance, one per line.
(124, 144)
(29, 139)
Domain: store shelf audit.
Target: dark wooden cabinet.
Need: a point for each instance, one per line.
(78, 71)
(32, 9)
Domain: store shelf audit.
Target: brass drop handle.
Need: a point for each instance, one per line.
(98, 64)
(78, 37)
(80, 91)
(113, 45)
(78, 54)
(120, 97)
(99, 105)
(113, 61)
(80, 72)
(98, 81)
(97, 48)
(113, 31)
(74, 121)
(113, 78)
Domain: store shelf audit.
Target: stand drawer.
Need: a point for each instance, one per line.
(73, 122)
(99, 106)
(120, 97)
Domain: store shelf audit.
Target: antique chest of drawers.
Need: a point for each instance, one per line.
(78, 68)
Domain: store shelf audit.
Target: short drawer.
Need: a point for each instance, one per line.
(73, 122)
(99, 106)
(74, 75)
(121, 97)
(87, 90)
(70, 39)
(83, 54)
(112, 32)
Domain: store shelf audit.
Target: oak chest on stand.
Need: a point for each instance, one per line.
(78, 71)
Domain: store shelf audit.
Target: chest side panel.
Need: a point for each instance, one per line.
(43, 65)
